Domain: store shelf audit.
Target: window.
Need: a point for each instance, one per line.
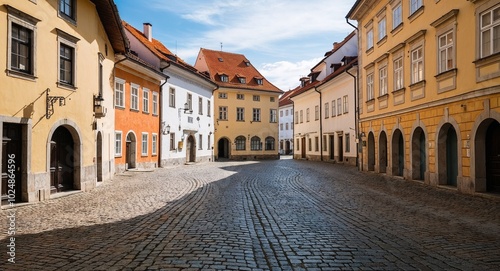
(397, 16)
(171, 97)
(272, 99)
(382, 29)
(301, 116)
(66, 64)
(383, 80)
(446, 53)
(297, 144)
(316, 143)
(281, 126)
(324, 143)
(307, 115)
(21, 55)
(281, 113)
(316, 112)
(369, 39)
(296, 117)
(286, 112)
(347, 143)
(339, 106)
(200, 142)
(172, 141)
(222, 112)
(209, 142)
(490, 31)
(134, 97)
(222, 95)
(345, 101)
(145, 100)
(309, 143)
(327, 110)
(417, 65)
(286, 126)
(273, 116)
(256, 98)
(144, 145)
(240, 142)
(155, 103)
(259, 81)
(119, 92)
(242, 80)
(118, 143)
(398, 73)
(240, 96)
(369, 87)
(67, 9)
(209, 108)
(224, 78)
(189, 101)
(415, 5)
(255, 144)
(240, 114)
(256, 114)
(200, 106)
(154, 142)
(269, 143)
(334, 111)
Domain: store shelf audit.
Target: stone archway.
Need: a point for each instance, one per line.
(223, 148)
(130, 150)
(382, 152)
(398, 155)
(487, 156)
(447, 148)
(64, 159)
(418, 154)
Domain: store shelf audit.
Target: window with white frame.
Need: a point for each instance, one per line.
(316, 143)
(67, 9)
(327, 110)
(347, 142)
(256, 98)
(334, 110)
(155, 103)
(308, 115)
(287, 126)
(67, 59)
(286, 112)
(256, 114)
(301, 116)
(369, 87)
(222, 95)
(189, 101)
(21, 43)
(209, 108)
(270, 142)
(397, 15)
(382, 31)
(240, 114)
(345, 101)
(171, 97)
(118, 143)
(316, 112)
(134, 96)
(144, 145)
(200, 106)
(200, 142)
(222, 112)
(382, 73)
(119, 92)
(369, 39)
(446, 55)
(172, 141)
(240, 96)
(490, 31)
(145, 100)
(339, 106)
(281, 126)
(273, 116)
(240, 143)
(415, 5)
(154, 144)
(296, 117)
(398, 73)
(255, 144)
(281, 113)
(417, 64)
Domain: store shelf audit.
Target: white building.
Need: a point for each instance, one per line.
(186, 102)
(286, 123)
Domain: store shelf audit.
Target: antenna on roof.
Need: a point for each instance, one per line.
(221, 46)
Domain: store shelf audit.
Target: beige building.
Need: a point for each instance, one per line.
(56, 92)
(245, 107)
(430, 91)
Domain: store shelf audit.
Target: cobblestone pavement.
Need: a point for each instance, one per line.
(271, 215)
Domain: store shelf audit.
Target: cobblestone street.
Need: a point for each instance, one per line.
(270, 215)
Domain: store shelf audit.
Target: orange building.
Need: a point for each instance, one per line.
(137, 114)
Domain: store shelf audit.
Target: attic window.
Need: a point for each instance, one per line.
(259, 81)
(242, 80)
(221, 60)
(224, 78)
(247, 63)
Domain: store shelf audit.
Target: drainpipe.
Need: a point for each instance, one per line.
(356, 115)
(213, 123)
(347, 21)
(160, 114)
(320, 123)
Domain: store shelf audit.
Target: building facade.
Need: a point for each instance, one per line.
(186, 128)
(429, 91)
(53, 111)
(286, 123)
(246, 107)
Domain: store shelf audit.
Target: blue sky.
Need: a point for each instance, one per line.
(283, 39)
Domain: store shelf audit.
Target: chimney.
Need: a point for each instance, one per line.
(335, 45)
(148, 31)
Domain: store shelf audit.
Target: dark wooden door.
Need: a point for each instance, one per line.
(303, 148)
(341, 148)
(61, 160)
(451, 157)
(493, 157)
(11, 163)
(332, 147)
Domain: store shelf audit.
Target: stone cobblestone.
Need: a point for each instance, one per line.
(270, 215)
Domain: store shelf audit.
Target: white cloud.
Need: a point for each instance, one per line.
(285, 74)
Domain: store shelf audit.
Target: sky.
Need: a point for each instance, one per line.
(283, 39)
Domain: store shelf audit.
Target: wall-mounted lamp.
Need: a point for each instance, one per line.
(186, 109)
(362, 134)
(99, 110)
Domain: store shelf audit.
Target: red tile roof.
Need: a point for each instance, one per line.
(234, 66)
(285, 98)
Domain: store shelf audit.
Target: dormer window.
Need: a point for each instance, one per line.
(241, 79)
(259, 81)
(221, 60)
(247, 63)
(224, 78)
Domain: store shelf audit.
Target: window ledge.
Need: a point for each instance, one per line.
(487, 59)
(398, 90)
(21, 75)
(134, 110)
(384, 96)
(446, 74)
(382, 41)
(418, 84)
(417, 13)
(145, 113)
(397, 29)
(369, 51)
(66, 86)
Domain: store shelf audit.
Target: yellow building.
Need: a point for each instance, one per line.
(56, 89)
(245, 107)
(430, 90)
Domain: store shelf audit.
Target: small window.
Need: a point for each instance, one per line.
(240, 114)
(446, 53)
(308, 115)
(172, 141)
(240, 96)
(242, 80)
(345, 100)
(200, 142)
(200, 106)
(118, 143)
(316, 112)
(67, 9)
(273, 116)
(171, 97)
(347, 143)
(222, 95)
(222, 112)
(255, 144)
(154, 144)
(270, 143)
(397, 15)
(256, 114)
(256, 98)
(382, 29)
(240, 142)
(334, 111)
(490, 31)
(259, 81)
(224, 78)
(67, 59)
(189, 101)
(369, 87)
(382, 73)
(369, 39)
(415, 5)
(209, 108)
(144, 145)
(145, 100)
(272, 99)
(155, 103)
(339, 106)
(134, 97)
(119, 92)
(327, 110)
(417, 65)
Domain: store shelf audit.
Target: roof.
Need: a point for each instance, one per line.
(304, 89)
(234, 66)
(285, 98)
(162, 52)
(336, 47)
(110, 18)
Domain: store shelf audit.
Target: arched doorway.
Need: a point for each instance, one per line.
(99, 156)
(382, 150)
(371, 152)
(287, 147)
(418, 155)
(448, 155)
(62, 160)
(223, 148)
(493, 157)
(398, 154)
(191, 149)
(130, 150)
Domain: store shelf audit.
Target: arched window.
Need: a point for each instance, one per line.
(255, 144)
(269, 143)
(240, 143)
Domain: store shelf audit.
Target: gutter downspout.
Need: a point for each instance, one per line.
(347, 21)
(320, 123)
(161, 114)
(213, 123)
(356, 115)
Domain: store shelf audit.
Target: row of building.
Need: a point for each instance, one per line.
(86, 96)
(414, 92)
